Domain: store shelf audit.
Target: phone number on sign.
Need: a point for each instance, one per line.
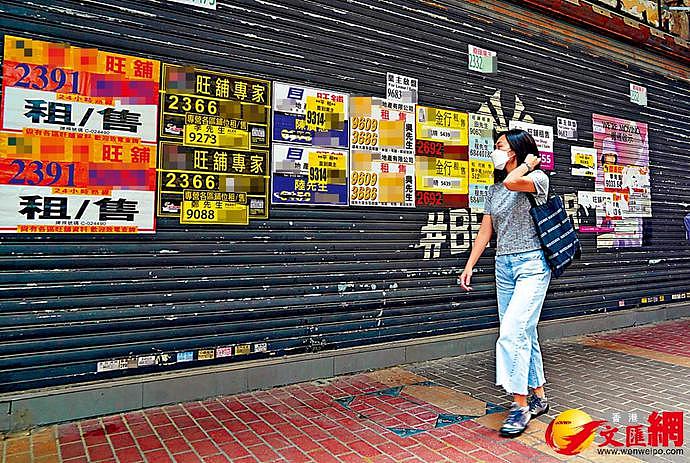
(175, 181)
(41, 173)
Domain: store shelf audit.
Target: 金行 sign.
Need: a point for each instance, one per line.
(310, 146)
(77, 139)
(214, 131)
(382, 155)
(442, 165)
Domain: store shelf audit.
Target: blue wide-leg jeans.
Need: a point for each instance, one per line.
(522, 280)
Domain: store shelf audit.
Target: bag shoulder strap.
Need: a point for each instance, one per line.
(549, 194)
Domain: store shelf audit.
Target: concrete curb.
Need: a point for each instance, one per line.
(41, 407)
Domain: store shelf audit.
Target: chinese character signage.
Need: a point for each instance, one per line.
(309, 116)
(214, 130)
(303, 175)
(622, 148)
(310, 149)
(573, 431)
(382, 156)
(638, 94)
(543, 135)
(613, 178)
(77, 140)
(583, 161)
(481, 60)
(214, 207)
(401, 89)
(442, 162)
(481, 144)
(567, 128)
(588, 203)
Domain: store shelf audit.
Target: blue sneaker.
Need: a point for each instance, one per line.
(537, 405)
(516, 422)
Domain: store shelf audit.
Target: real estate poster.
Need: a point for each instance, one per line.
(310, 146)
(588, 203)
(401, 89)
(442, 158)
(382, 154)
(214, 131)
(309, 175)
(637, 182)
(583, 161)
(77, 139)
(623, 169)
(481, 144)
(567, 128)
(543, 136)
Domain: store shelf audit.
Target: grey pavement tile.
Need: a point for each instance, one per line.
(598, 381)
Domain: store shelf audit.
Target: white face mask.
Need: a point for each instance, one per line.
(500, 158)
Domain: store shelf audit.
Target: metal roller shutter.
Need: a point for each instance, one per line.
(315, 278)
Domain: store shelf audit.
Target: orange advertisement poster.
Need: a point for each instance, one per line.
(78, 139)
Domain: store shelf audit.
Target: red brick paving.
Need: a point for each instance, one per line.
(669, 338)
(300, 423)
(303, 423)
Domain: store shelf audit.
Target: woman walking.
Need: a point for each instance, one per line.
(522, 274)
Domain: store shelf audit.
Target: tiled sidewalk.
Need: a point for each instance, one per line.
(441, 411)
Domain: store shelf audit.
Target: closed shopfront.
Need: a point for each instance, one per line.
(309, 244)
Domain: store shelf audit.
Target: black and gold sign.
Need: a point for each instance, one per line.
(214, 134)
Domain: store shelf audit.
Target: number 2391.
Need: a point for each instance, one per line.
(39, 173)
